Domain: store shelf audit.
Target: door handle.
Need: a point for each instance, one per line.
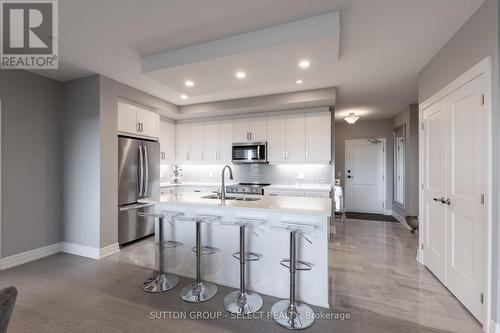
(141, 171)
(448, 202)
(146, 171)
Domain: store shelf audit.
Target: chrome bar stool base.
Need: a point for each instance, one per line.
(298, 318)
(243, 304)
(159, 283)
(198, 292)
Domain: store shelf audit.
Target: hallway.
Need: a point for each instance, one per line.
(374, 273)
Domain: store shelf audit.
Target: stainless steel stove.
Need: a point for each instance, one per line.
(247, 188)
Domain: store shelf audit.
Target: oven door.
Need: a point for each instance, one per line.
(252, 152)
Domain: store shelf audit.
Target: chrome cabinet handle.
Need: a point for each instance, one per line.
(448, 202)
(138, 127)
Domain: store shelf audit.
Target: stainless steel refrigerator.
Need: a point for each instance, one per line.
(138, 178)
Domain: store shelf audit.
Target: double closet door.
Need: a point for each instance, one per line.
(454, 160)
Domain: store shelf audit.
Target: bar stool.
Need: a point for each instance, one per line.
(242, 301)
(290, 313)
(200, 290)
(160, 281)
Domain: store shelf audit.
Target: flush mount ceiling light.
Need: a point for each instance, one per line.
(189, 83)
(298, 81)
(184, 96)
(241, 75)
(304, 64)
(351, 118)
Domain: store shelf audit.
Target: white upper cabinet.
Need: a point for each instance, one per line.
(182, 142)
(253, 129)
(276, 142)
(138, 122)
(226, 140)
(197, 144)
(318, 136)
(295, 138)
(209, 141)
(302, 137)
(167, 142)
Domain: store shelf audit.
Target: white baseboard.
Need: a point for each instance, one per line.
(109, 250)
(493, 327)
(28, 256)
(387, 212)
(90, 252)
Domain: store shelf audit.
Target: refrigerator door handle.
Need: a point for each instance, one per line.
(137, 206)
(146, 167)
(141, 172)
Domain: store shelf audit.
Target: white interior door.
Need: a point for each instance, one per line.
(434, 119)
(465, 217)
(364, 176)
(454, 169)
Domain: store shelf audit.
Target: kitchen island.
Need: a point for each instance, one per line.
(265, 276)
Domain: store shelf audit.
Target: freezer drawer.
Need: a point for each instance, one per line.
(131, 226)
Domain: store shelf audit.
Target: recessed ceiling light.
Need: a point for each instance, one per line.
(241, 75)
(189, 83)
(184, 96)
(298, 81)
(304, 64)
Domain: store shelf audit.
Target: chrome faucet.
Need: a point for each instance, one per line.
(223, 186)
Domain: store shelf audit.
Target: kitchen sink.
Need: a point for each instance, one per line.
(216, 196)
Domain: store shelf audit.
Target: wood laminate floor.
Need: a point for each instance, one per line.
(374, 278)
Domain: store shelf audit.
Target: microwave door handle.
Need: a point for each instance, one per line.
(146, 170)
(258, 152)
(141, 171)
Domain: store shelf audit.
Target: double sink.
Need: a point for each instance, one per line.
(228, 197)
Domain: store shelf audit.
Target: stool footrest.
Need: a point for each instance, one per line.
(206, 250)
(249, 256)
(299, 265)
(169, 244)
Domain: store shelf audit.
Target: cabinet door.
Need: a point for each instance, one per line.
(276, 142)
(164, 129)
(211, 141)
(314, 194)
(293, 193)
(318, 137)
(170, 146)
(127, 119)
(258, 129)
(150, 122)
(183, 142)
(226, 141)
(241, 130)
(197, 145)
(295, 138)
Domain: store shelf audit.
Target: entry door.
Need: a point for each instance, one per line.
(454, 155)
(364, 176)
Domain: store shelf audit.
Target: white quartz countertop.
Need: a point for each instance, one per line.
(292, 205)
(301, 187)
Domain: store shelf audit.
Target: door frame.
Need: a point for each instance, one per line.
(385, 211)
(483, 67)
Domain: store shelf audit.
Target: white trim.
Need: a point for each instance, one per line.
(493, 327)
(109, 250)
(90, 252)
(483, 67)
(387, 212)
(384, 166)
(28, 256)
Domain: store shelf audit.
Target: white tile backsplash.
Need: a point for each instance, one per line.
(284, 174)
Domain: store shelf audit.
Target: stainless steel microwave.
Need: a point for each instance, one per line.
(250, 152)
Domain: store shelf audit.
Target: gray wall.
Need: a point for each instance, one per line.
(81, 156)
(365, 130)
(31, 161)
(477, 39)
(409, 118)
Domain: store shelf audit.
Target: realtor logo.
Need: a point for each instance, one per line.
(29, 36)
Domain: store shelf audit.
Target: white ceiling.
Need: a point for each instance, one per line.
(383, 46)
